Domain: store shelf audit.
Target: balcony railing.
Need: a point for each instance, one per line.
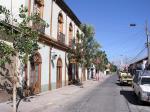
(61, 38)
(42, 29)
(72, 43)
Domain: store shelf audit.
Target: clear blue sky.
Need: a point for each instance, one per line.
(111, 19)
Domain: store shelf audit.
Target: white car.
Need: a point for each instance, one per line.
(141, 86)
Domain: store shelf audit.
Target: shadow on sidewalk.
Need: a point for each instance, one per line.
(4, 96)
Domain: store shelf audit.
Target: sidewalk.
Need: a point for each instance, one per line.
(53, 99)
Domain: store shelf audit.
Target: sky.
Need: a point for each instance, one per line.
(111, 20)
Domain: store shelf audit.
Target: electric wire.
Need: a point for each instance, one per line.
(132, 60)
(127, 39)
(136, 57)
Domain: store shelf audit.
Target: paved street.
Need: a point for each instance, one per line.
(108, 97)
(95, 96)
(56, 100)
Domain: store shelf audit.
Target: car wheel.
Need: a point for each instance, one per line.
(121, 83)
(134, 94)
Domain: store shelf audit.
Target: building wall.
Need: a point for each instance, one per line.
(15, 5)
(66, 22)
(45, 49)
(47, 15)
(45, 55)
(60, 54)
(80, 72)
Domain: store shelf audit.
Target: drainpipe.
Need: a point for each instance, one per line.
(50, 68)
(65, 70)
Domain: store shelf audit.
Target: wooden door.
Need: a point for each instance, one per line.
(37, 79)
(59, 74)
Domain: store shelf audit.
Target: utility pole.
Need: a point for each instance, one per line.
(148, 43)
(121, 62)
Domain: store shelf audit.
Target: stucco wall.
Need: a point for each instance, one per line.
(60, 54)
(47, 15)
(15, 7)
(44, 52)
(44, 49)
(66, 22)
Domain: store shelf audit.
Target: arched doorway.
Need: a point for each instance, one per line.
(59, 74)
(35, 75)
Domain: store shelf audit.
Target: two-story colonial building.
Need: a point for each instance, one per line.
(50, 67)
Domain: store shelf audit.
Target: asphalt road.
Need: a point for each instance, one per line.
(108, 97)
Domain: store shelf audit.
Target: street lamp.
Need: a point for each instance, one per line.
(132, 25)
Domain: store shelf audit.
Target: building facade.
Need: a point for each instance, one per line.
(50, 68)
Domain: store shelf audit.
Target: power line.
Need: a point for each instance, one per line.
(136, 46)
(137, 55)
(122, 44)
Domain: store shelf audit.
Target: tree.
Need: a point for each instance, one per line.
(87, 50)
(86, 47)
(21, 42)
(101, 60)
(113, 68)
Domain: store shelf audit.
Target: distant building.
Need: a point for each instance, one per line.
(140, 64)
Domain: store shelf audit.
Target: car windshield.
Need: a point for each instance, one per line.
(145, 81)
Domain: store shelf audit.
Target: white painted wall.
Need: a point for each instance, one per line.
(80, 72)
(60, 54)
(67, 21)
(44, 52)
(56, 11)
(47, 15)
(15, 5)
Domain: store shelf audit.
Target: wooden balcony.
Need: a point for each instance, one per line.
(61, 38)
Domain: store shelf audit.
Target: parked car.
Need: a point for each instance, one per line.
(141, 85)
(125, 78)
